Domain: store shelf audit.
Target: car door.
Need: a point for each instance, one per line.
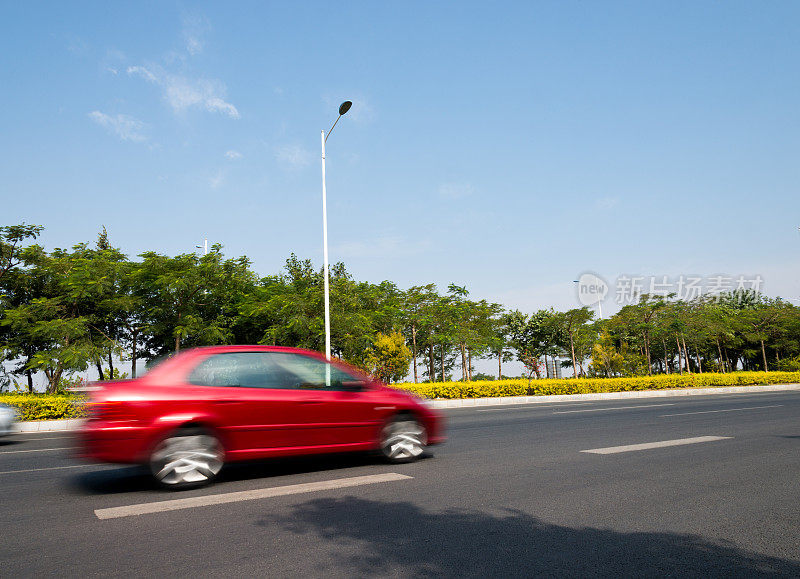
(334, 408)
(256, 407)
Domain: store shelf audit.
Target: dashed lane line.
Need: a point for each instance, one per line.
(725, 410)
(651, 445)
(46, 468)
(612, 408)
(37, 450)
(38, 438)
(531, 406)
(218, 499)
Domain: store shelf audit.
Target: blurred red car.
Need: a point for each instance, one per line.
(208, 406)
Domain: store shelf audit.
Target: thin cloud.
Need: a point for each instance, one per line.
(182, 93)
(455, 190)
(125, 127)
(607, 202)
(194, 31)
(217, 179)
(233, 154)
(293, 156)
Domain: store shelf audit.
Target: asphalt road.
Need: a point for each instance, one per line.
(512, 493)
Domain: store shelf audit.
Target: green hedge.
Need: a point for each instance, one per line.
(521, 387)
(45, 406)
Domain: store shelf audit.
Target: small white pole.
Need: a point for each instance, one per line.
(205, 247)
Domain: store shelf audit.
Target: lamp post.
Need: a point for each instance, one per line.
(204, 247)
(343, 108)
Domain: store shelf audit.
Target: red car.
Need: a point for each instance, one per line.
(208, 406)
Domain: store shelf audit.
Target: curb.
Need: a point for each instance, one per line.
(505, 400)
(48, 425)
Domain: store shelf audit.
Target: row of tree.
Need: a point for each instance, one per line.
(65, 310)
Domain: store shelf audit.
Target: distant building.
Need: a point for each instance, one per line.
(553, 368)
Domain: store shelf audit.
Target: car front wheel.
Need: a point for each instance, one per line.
(403, 439)
(187, 458)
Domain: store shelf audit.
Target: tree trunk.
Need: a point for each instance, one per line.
(463, 363)
(666, 366)
(29, 374)
(178, 335)
(647, 355)
(442, 357)
(432, 373)
(574, 365)
(699, 362)
(500, 365)
(99, 371)
(680, 364)
(133, 354)
(546, 371)
(719, 350)
(686, 354)
(414, 349)
(469, 365)
(110, 365)
(764, 355)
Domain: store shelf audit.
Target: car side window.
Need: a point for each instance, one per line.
(312, 373)
(268, 370)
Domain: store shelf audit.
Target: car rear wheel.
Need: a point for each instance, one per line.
(187, 458)
(403, 439)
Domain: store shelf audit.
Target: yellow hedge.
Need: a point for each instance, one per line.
(45, 406)
(520, 387)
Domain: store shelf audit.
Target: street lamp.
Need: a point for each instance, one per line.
(204, 247)
(343, 108)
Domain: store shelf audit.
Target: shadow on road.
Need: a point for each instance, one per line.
(400, 539)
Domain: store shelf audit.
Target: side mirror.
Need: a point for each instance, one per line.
(354, 386)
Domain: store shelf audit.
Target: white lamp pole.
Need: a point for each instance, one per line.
(343, 108)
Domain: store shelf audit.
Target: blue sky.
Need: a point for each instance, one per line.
(504, 146)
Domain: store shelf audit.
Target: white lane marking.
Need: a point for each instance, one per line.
(175, 504)
(726, 410)
(613, 408)
(41, 438)
(37, 450)
(532, 406)
(661, 444)
(46, 468)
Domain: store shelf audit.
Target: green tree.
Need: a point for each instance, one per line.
(389, 358)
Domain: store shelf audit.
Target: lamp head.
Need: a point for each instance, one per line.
(344, 107)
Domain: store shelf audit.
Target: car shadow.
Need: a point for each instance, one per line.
(401, 539)
(9, 441)
(132, 479)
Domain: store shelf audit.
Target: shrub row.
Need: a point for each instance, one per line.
(521, 387)
(45, 406)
